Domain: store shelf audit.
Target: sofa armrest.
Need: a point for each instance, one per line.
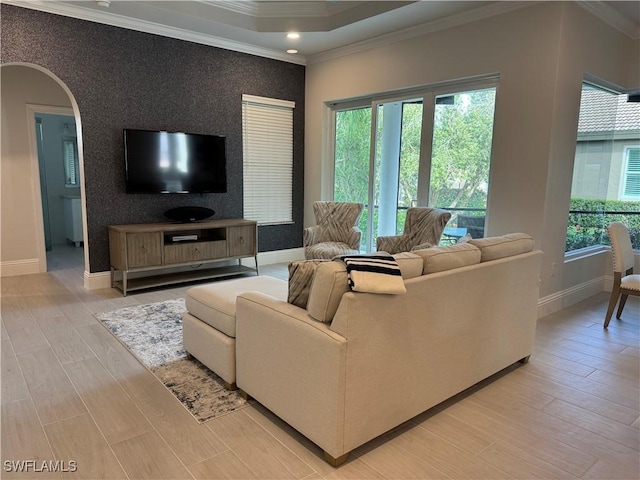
(294, 366)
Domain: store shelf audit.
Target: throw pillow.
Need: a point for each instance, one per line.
(376, 273)
(300, 278)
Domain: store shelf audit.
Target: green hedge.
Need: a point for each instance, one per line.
(587, 229)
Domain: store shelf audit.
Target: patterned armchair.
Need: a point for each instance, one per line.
(422, 229)
(335, 232)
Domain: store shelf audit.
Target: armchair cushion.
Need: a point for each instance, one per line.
(329, 250)
(301, 275)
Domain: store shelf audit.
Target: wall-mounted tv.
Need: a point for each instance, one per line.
(174, 162)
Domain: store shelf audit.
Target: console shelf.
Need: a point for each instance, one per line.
(161, 246)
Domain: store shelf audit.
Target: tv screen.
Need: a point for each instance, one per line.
(173, 162)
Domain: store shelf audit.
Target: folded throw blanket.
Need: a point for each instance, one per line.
(379, 273)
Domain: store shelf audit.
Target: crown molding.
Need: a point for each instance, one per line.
(608, 15)
(497, 8)
(115, 20)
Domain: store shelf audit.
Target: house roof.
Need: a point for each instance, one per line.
(602, 111)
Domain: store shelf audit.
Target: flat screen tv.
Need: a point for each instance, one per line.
(174, 162)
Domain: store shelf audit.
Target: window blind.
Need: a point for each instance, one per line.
(632, 180)
(70, 163)
(267, 141)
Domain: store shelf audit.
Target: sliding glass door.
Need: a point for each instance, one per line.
(431, 149)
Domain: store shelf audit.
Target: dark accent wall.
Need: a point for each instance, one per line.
(127, 79)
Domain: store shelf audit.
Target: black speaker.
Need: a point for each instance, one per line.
(189, 214)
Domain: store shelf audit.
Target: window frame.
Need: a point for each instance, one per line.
(625, 174)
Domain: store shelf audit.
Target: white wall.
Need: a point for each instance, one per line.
(18, 174)
(536, 109)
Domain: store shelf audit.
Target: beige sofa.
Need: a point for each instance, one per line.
(352, 366)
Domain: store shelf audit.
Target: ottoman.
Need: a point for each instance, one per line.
(209, 324)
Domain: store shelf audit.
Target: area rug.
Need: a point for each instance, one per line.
(153, 333)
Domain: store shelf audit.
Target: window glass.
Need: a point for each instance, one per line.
(606, 172)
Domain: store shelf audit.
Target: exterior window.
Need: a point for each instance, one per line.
(428, 148)
(606, 172)
(267, 140)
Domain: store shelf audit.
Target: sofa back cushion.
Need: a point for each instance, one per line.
(493, 248)
(301, 275)
(439, 259)
(329, 284)
(410, 264)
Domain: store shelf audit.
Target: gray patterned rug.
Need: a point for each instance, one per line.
(153, 333)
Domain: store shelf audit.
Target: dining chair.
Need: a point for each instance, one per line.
(625, 282)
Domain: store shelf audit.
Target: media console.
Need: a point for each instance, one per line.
(158, 246)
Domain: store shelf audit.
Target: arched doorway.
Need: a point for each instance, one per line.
(27, 90)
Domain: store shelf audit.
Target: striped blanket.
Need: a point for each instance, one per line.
(377, 273)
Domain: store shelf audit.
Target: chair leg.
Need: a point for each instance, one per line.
(615, 293)
(623, 300)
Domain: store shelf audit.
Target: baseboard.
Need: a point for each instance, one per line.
(14, 268)
(96, 281)
(570, 296)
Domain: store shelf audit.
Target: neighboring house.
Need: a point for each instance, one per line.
(607, 162)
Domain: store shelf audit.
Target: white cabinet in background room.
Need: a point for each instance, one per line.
(73, 219)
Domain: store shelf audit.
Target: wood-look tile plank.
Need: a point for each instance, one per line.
(616, 384)
(304, 448)
(267, 457)
(52, 392)
(4, 335)
(79, 439)
(595, 423)
(631, 351)
(392, 461)
(626, 394)
(446, 457)
(148, 456)
(546, 359)
(559, 429)
(23, 439)
(13, 384)
(43, 306)
(23, 330)
(461, 434)
(113, 411)
(497, 423)
(519, 463)
(64, 340)
(603, 469)
(225, 465)
(192, 442)
(587, 401)
(354, 469)
(74, 311)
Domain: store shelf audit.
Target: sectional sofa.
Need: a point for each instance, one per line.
(350, 366)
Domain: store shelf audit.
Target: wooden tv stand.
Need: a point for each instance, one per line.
(155, 246)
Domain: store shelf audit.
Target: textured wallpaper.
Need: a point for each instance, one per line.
(126, 79)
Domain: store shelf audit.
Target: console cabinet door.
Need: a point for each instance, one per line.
(144, 249)
(241, 240)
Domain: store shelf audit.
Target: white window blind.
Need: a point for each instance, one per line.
(70, 163)
(267, 140)
(632, 174)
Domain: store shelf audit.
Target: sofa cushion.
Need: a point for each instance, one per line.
(493, 248)
(215, 303)
(329, 284)
(439, 259)
(375, 273)
(300, 277)
(410, 264)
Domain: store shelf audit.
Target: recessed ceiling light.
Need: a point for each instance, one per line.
(293, 35)
(291, 50)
